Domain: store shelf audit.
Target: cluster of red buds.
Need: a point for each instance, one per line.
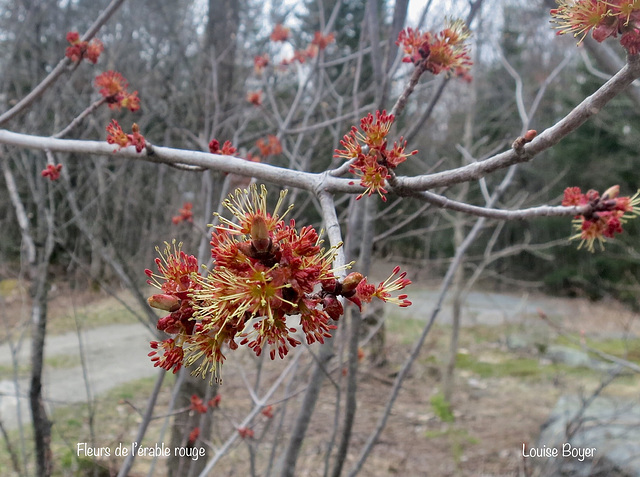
(268, 279)
(185, 214)
(115, 135)
(602, 19)
(270, 147)
(605, 216)
(445, 51)
(255, 97)
(280, 33)
(52, 171)
(113, 87)
(227, 148)
(79, 50)
(369, 150)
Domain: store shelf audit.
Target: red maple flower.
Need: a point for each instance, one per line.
(193, 435)
(215, 401)
(52, 172)
(371, 157)
(115, 135)
(197, 404)
(279, 33)
(260, 63)
(602, 19)
(322, 41)
(245, 432)
(82, 49)
(227, 148)
(185, 215)
(254, 97)
(265, 271)
(270, 147)
(113, 87)
(445, 51)
(605, 215)
(267, 412)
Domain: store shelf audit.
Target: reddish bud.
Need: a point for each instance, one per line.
(331, 286)
(530, 134)
(215, 402)
(611, 193)
(164, 302)
(260, 234)
(351, 282)
(332, 306)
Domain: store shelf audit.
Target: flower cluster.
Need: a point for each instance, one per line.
(176, 279)
(270, 147)
(113, 87)
(115, 135)
(79, 50)
(279, 33)
(371, 154)
(52, 171)
(260, 63)
(602, 19)
(268, 279)
(319, 43)
(198, 405)
(605, 215)
(255, 97)
(443, 51)
(185, 215)
(226, 150)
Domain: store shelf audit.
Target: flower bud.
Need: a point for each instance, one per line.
(164, 302)
(351, 281)
(530, 134)
(332, 306)
(331, 286)
(260, 234)
(611, 193)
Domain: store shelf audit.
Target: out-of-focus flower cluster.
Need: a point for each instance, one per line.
(605, 217)
(52, 171)
(371, 153)
(227, 148)
(79, 50)
(268, 280)
(603, 19)
(445, 51)
(269, 147)
(185, 214)
(115, 135)
(280, 34)
(113, 87)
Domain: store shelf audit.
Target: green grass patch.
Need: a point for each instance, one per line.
(628, 349)
(63, 361)
(515, 367)
(458, 439)
(442, 408)
(406, 329)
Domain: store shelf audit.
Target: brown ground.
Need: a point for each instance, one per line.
(493, 416)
